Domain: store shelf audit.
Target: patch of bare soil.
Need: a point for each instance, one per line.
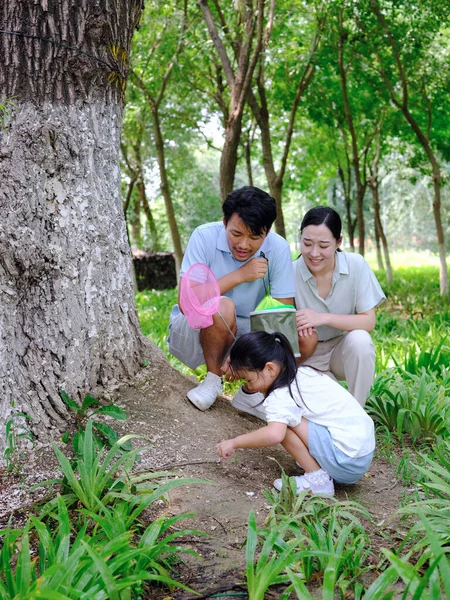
(183, 439)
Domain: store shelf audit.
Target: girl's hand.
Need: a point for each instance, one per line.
(225, 448)
(308, 320)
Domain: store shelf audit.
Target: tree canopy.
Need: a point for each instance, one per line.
(338, 102)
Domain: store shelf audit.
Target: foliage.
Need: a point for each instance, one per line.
(274, 556)
(434, 583)
(103, 435)
(90, 542)
(412, 405)
(74, 564)
(5, 110)
(98, 478)
(330, 530)
(434, 476)
(16, 430)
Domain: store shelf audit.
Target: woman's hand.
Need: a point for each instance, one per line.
(226, 448)
(308, 319)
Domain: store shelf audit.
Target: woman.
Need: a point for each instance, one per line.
(336, 296)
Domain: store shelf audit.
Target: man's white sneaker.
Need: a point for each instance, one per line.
(318, 483)
(204, 395)
(249, 403)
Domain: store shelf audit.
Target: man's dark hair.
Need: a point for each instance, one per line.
(255, 207)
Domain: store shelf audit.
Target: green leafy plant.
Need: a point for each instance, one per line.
(330, 530)
(15, 430)
(414, 405)
(75, 564)
(434, 477)
(268, 566)
(5, 110)
(434, 583)
(102, 434)
(99, 478)
(433, 359)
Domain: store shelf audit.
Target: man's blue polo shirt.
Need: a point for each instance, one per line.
(208, 244)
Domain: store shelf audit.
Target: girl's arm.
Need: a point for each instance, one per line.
(271, 434)
(306, 318)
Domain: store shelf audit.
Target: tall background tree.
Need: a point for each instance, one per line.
(67, 314)
(404, 49)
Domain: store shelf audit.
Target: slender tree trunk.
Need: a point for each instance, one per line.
(346, 188)
(373, 183)
(165, 190)
(360, 185)
(248, 160)
(135, 225)
(67, 312)
(229, 156)
(436, 172)
(378, 248)
(404, 105)
(246, 51)
(140, 184)
(274, 182)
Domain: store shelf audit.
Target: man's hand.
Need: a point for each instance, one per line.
(254, 269)
(228, 374)
(225, 448)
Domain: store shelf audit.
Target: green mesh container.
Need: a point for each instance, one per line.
(277, 318)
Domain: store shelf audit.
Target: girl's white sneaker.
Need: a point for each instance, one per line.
(318, 483)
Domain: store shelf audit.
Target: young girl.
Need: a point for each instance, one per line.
(316, 420)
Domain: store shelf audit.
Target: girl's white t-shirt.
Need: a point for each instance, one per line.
(323, 401)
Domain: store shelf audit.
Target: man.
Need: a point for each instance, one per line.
(245, 257)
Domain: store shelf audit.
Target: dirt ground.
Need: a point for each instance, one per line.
(183, 439)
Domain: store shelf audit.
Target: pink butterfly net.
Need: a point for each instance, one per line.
(199, 296)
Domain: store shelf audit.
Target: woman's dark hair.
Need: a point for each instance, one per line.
(255, 207)
(253, 350)
(323, 215)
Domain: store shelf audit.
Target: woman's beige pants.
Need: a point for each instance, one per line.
(350, 357)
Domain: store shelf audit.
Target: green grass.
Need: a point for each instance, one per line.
(410, 403)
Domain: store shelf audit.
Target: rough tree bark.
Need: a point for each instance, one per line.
(67, 314)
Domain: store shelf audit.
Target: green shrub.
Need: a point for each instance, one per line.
(408, 404)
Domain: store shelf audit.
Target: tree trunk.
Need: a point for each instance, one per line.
(374, 187)
(67, 307)
(360, 186)
(443, 272)
(346, 188)
(165, 190)
(378, 248)
(135, 226)
(229, 156)
(423, 138)
(140, 184)
(247, 47)
(274, 181)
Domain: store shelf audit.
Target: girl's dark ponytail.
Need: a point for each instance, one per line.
(253, 350)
